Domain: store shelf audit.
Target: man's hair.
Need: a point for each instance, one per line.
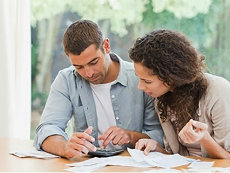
(176, 62)
(80, 35)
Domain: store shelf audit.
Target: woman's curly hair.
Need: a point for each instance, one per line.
(176, 62)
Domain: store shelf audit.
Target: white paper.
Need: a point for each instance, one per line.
(197, 167)
(137, 159)
(159, 159)
(220, 169)
(34, 153)
(202, 165)
(139, 156)
(126, 161)
(205, 170)
(89, 162)
(169, 161)
(163, 170)
(113, 160)
(87, 168)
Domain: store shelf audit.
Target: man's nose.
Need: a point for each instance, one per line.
(89, 72)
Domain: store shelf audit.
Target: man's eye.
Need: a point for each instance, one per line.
(94, 62)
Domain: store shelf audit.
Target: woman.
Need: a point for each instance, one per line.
(193, 106)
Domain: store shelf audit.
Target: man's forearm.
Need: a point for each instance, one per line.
(55, 144)
(135, 136)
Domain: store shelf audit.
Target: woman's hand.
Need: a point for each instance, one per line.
(194, 131)
(146, 145)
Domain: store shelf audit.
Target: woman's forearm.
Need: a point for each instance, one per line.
(213, 149)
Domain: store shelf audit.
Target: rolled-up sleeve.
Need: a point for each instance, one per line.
(56, 114)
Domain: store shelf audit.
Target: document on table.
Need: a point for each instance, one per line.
(163, 171)
(139, 156)
(96, 163)
(137, 159)
(34, 153)
(199, 165)
(159, 159)
(207, 169)
(86, 168)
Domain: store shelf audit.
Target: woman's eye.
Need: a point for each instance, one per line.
(148, 82)
(78, 67)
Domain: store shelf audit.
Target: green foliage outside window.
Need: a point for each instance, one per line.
(206, 23)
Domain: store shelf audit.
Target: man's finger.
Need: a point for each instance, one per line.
(116, 139)
(108, 139)
(89, 130)
(106, 134)
(79, 147)
(72, 153)
(85, 136)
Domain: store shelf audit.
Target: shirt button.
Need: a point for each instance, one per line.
(117, 118)
(113, 96)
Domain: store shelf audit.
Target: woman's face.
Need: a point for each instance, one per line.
(150, 83)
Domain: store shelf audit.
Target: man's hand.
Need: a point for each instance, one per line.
(194, 131)
(80, 143)
(117, 135)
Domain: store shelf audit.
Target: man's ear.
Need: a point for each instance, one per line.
(106, 45)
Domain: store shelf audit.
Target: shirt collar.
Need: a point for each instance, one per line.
(122, 77)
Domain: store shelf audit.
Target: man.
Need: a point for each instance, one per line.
(100, 92)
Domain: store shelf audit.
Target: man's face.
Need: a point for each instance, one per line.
(92, 64)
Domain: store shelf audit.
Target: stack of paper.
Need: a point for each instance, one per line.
(159, 159)
(34, 153)
(96, 163)
(137, 159)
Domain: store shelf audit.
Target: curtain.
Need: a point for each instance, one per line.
(15, 69)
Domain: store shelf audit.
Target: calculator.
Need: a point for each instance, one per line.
(105, 152)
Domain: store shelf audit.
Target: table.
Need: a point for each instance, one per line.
(11, 163)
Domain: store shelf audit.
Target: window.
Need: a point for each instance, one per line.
(206, 23)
